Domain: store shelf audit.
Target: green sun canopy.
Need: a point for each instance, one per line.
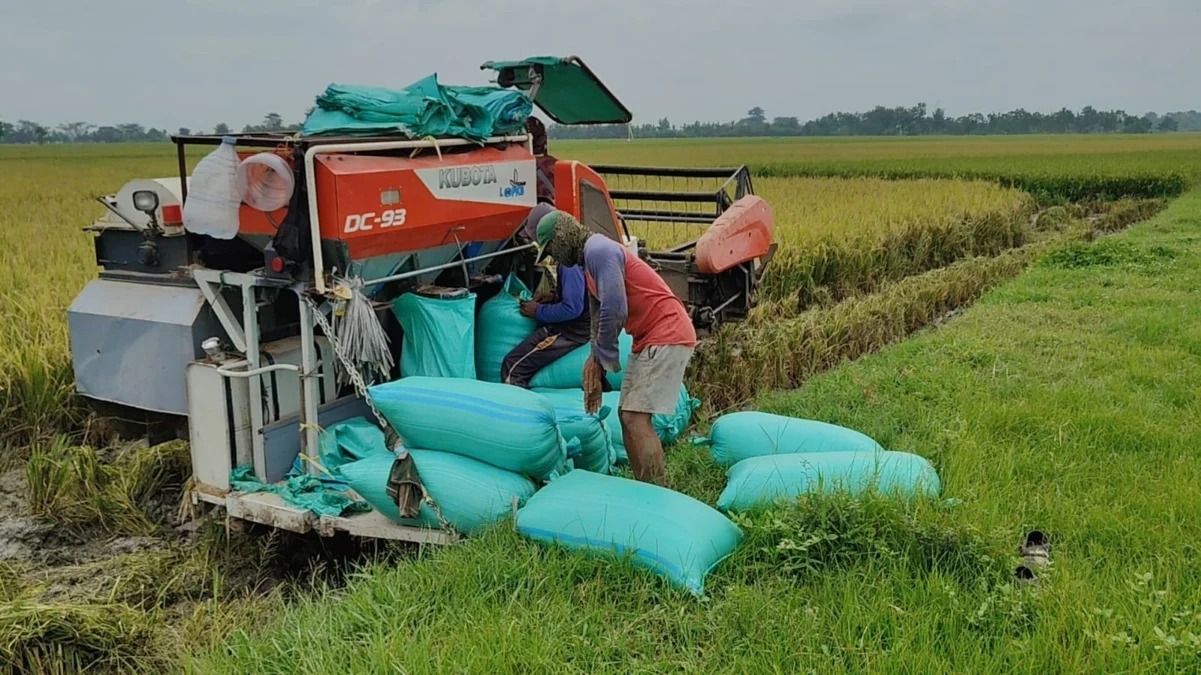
(569, 92)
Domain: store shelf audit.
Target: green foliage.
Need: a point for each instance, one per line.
(836, 531)
(895, 121)
(1106, 252)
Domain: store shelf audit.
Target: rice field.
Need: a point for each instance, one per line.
(849, 235)
(46, 198)
(835, 234)
(1053, 169)
(844, 225)
(865, 260)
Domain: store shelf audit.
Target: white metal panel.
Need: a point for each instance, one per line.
(210, 412)
(285, 385)
(209, 428)
(167, 189)
(266, 508)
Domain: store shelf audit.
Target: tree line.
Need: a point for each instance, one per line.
(879, 121)
(26, 132)
(900, 121)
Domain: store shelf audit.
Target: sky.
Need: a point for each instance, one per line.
(194, 63)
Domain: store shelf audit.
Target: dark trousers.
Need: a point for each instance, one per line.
(521, 364)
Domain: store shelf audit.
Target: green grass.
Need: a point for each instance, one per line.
(1065, 400)
(779, 347)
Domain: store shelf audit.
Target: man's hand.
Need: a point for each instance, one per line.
(529, 309)
(544, 298)
(592, 386)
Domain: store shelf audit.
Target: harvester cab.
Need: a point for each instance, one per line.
(237, 344)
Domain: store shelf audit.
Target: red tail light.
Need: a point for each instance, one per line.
(172, 214)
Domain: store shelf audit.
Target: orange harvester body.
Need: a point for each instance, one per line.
(740, 234)
(384, 205)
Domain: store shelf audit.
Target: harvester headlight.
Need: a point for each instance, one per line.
(145, 201)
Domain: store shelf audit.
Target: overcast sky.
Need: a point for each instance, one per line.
(193, 63)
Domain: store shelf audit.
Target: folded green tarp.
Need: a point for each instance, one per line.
(306, 492)
(424, 108)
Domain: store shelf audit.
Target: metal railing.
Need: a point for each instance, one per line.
(669, 207)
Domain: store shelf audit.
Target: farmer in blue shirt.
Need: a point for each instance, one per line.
(562, 313)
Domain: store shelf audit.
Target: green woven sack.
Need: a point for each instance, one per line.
(470, 495)
(439, 336)
(500, 327)
(667, 427)
(568, 371)
(508, 427)
(742, 435)
(669, 533)
(763, 481)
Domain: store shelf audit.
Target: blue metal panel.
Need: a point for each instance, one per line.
(130, 342)
(281, 440)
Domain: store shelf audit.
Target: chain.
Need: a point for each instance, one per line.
(360, 387)
(356, 378)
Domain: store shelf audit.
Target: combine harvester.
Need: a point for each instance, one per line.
(228, 343)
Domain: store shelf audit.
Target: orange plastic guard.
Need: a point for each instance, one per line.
(740, 234)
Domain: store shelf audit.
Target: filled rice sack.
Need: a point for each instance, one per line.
(439, 335)
(667, 427)
(568, 371)
(470, 495)
(594, 451)
(664, 531)
(500, 327)
(762, 481)
(742, 435)
(508, 427)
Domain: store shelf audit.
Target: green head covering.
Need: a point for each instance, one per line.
(562, 237)
(546, 228)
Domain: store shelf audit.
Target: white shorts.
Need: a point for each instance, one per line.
(652, 379)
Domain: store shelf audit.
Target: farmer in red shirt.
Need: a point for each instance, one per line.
(624, 292)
